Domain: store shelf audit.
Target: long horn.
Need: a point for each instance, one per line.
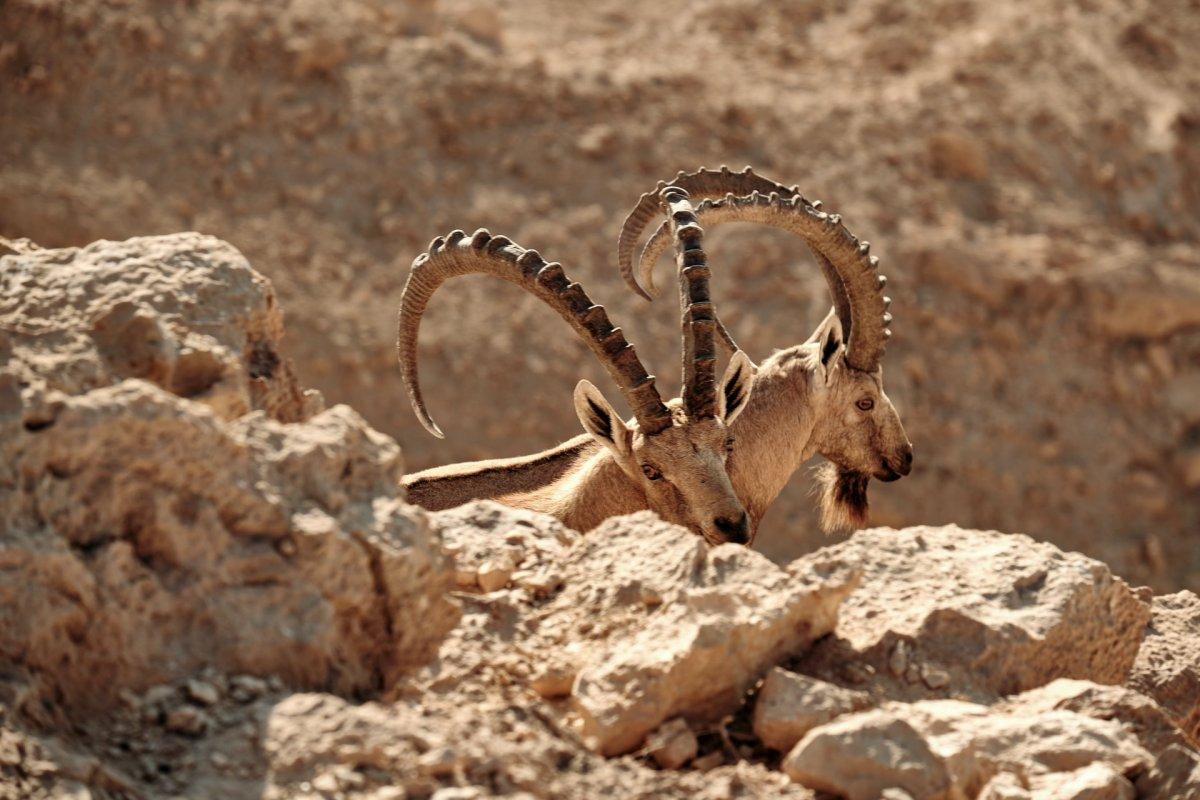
(697, 315)
(701, 184)
(459, 254)
(849, 269)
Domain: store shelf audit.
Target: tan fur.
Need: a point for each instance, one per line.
(599, 474)
(802, 407)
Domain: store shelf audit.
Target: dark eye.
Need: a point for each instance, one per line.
(866, 404)
(651, 473)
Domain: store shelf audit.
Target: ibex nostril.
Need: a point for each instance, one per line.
(736, 530)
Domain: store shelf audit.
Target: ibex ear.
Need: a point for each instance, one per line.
(828, 337)
(736, 386)
(600, 419)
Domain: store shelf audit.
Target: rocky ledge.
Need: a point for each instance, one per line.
(212, 587)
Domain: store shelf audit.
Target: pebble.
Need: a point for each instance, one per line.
(187, 720)
(202, 693)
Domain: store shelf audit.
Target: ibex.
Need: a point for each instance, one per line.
(822, 396)
(670, 458)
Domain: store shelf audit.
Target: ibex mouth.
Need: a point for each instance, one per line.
(887, 474)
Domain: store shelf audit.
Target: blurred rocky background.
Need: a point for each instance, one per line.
(1029, 173)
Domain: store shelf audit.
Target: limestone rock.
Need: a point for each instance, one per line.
(1175, 769)
(673, 744)
(947, 748)
(1168, 664)
(790, 705)
(185, 312)
(727, 614)
(980, 614)
(861, 755)
(149, 531)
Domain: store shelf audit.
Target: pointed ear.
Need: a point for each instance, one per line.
(600, 419)
(828, 337)
(735, 387)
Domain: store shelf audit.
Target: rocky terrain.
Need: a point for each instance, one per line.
(1027, 171)
(210, 587)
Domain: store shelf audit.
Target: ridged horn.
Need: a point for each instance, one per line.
(697, 314)
(700, 185)
(481, 253)
(849, 269)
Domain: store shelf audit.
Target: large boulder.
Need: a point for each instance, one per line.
(950, 749)
(185, 312)
(150, 526)
(979, 614)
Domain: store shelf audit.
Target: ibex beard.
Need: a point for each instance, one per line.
(842, 495)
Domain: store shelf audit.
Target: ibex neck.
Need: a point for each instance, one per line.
(774, 432)
(578, 482)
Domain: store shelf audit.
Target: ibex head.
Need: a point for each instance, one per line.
(680, 469)
(675, 453)
(857, 428)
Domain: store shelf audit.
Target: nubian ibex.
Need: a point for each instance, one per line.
(670, 459)
(824, 396)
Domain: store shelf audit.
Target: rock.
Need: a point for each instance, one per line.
(187, 720)
(1096, 781)
(202, 692)
(1168, 664)
(553, 681)
(1004, 615)
(790, 705)
(1175, 769)
(861, 755)
(495, 574)
(944, 748)
(727, 615)
(673, 744)
(255, 545)
(184, 311)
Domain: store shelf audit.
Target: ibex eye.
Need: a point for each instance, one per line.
(866, 404)
(651, 473)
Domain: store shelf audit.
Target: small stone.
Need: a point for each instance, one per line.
(898, 660)
(913, 673)
(202, 693)
(673, 744)
(789, 705)
(326, 783)
(440, 761)
(709, 761)
(553, 681)
(244, 688)
(188, 721)
(494, 575)
(466, 577)
(458, 793)
(934, 677)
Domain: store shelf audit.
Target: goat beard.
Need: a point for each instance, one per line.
(843, 498)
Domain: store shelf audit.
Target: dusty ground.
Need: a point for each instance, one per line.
(1027, 171)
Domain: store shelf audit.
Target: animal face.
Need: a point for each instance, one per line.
(680, 470)
(857, 429)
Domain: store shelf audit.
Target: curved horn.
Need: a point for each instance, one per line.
(459, 254)
(698, 317)
(701, 184)
(849, 269)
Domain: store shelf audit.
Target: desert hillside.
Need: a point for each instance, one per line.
(211, 587)
(1027, 171)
